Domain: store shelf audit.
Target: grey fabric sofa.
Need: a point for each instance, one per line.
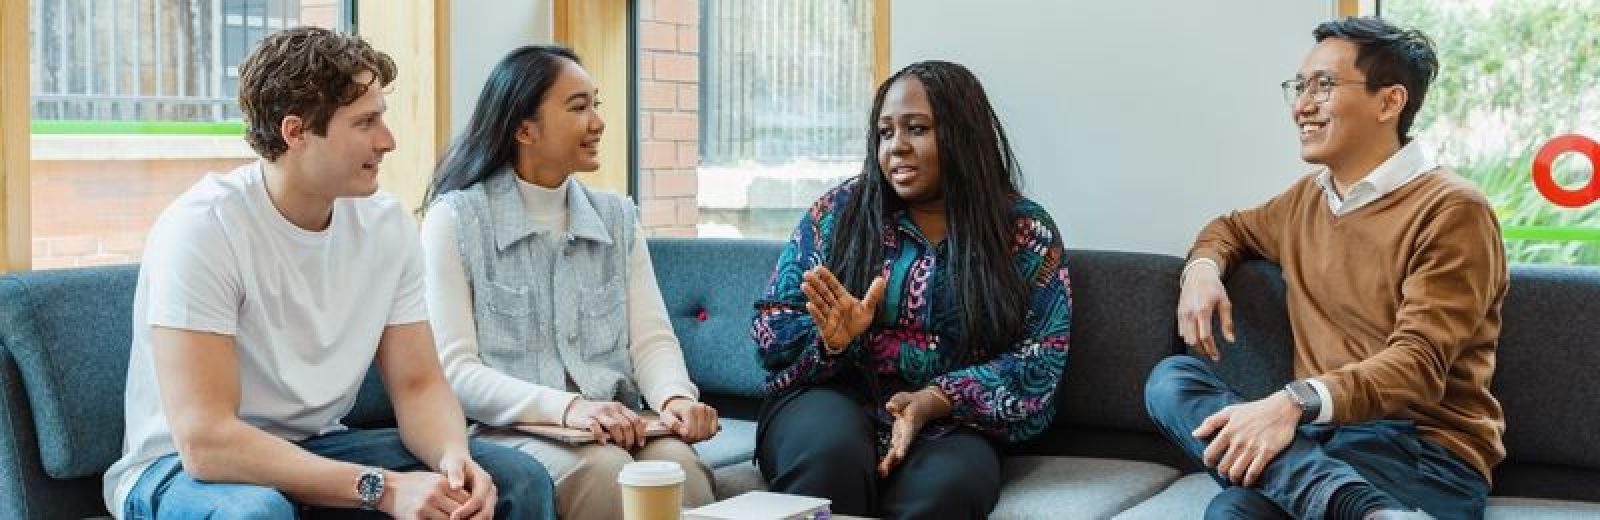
(65, 338)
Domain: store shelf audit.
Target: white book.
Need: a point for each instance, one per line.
(762, 505)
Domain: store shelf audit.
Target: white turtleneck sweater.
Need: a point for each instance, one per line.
(496, 398)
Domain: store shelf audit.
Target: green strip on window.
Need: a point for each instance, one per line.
(1552, 233)
(84, 127)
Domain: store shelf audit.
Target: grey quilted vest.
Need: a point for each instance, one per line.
(550, 307)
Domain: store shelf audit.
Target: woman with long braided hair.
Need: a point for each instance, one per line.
(918, 318)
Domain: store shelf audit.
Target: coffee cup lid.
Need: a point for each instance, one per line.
(651, 473)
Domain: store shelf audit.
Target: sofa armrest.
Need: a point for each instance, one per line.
(25, 490)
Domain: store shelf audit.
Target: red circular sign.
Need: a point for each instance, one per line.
(1547, 184)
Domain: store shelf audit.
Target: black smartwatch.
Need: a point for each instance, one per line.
(1307, 398)
(370, 487)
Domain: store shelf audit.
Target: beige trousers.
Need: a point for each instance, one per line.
(586, 475)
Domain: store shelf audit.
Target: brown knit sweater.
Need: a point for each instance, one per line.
(1394, 306)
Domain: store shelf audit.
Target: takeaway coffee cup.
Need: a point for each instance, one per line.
(651, 490)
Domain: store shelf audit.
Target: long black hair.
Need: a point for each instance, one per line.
(510, 96)
(978, 175)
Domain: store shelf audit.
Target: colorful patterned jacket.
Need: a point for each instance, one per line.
(1006, 391)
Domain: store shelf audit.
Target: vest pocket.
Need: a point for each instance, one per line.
(506, 330)
(603, 318)
(509, 301)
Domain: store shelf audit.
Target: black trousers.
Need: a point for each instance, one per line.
(818, 442)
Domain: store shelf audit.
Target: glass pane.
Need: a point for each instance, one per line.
(133, 101)
(1514, 75)
(749, 110)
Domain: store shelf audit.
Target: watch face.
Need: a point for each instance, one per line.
(370, 485)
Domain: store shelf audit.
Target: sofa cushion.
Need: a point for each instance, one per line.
(1188, 497)
(1260, 360)
(734, 444)
(1123, 308)
(710, 287)
(1034, 486)
(1076, 487)
(69, 332)
(25, 490)
(737, 479)
(372, 408)
(1515, 508)
(1185, 498)
(1549, 348)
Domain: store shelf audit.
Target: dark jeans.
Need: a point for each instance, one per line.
(1389, 455)
(164, 490)
(819, 443)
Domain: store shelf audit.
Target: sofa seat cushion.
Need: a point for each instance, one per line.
(1508, 508)
(1188, 497)
(737, 479)
(1185, 498)
(1076, 487)
(1035, 486)
(734, 444)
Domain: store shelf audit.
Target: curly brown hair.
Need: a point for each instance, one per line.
(308, 72)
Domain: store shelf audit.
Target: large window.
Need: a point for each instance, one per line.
(133, 101)
(1515, 74)
(749, 110)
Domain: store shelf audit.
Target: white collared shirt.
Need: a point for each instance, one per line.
(1410, 162)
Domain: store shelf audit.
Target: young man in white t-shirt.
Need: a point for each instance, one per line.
(266, 294)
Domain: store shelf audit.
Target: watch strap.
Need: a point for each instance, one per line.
(1301, 392)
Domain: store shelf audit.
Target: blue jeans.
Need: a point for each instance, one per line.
(1388, 455)
(164, 490)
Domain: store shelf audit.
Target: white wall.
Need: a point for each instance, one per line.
(482, 32)
(1136, 121)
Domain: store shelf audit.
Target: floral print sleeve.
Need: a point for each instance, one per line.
(1013, 395)
(787, 340)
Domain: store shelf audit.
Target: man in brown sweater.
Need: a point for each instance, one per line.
(1395, 273)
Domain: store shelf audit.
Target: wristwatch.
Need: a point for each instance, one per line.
(1307, 398)
(370, 487)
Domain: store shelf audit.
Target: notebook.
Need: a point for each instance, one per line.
(576, 436)
(762, 505)
(653, 428)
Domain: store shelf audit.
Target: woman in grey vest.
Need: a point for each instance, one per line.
(541, 292)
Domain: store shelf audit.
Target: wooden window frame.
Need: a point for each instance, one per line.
(1343, 8)
(602, 33)
(16, 248)
(416, 35)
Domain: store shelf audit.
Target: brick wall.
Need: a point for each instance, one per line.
(320, 13)
(98, 212)
(669, 105)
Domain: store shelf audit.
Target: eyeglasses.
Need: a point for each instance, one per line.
(1321, 88)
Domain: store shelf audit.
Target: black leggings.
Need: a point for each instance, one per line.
(819, 443)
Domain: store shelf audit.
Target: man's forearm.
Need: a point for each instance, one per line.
(430, 420)
(236, 452)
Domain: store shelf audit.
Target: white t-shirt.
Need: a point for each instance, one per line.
(305, 309)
